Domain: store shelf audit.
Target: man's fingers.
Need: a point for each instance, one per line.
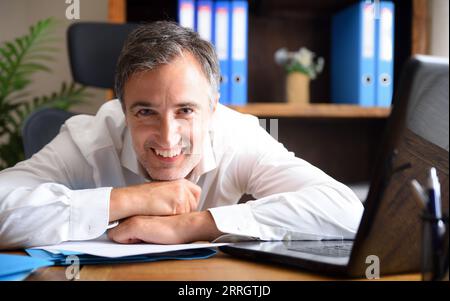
(124, 233)
(187, 198)
(196, 192)
(195, 189)
(193, 202)
(116, 234)
(187, 204)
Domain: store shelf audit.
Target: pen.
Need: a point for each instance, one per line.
(434, 200)
(434, 194)
(419, 194)
(437, 225)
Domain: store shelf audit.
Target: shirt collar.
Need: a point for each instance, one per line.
(129, 159)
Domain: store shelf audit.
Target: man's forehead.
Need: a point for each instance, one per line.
(159, 104)
(166, 97)
(184, 63)
(179, 83)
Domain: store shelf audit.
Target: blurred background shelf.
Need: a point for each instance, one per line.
(293, 24)
(342, 140)
(285, 110)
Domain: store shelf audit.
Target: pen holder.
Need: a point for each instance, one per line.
(434, 247)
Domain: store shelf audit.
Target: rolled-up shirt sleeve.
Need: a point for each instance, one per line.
(40, 205)
(294, 199)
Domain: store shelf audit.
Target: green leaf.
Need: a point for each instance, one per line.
(3, 67)
(12, 49)
(38, 57)
(32, 67)
(14, 97)
(21, 43)
(19, 60)
(6, 55)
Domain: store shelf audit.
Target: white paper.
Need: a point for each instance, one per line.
(107, 248)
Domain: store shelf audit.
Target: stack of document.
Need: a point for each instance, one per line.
(103, 251)
(17, 268)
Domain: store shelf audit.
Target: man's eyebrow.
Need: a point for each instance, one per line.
(187, 104)
(147, 104)
(141, 103)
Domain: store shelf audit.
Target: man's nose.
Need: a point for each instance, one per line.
(169, 132)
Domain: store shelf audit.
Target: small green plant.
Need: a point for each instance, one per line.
(303, 61)
(19, 60)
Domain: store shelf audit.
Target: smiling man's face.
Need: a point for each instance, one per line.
(168, 111)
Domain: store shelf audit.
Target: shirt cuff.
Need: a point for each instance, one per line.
(236, 219)
(89, 213)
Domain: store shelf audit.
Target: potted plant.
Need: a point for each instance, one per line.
(19, 60)
(301, 66)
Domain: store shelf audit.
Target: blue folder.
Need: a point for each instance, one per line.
(62, 258)
(17, 267)
(353, 55)
(239, 40)
(205, 20)
(385, 54)
(222, 33)
(186, 13)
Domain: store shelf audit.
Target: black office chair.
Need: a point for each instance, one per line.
(41, 127)
(94, 49)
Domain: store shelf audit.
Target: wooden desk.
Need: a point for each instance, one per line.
(220, 267)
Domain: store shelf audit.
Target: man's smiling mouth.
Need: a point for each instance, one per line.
(168, 156)
(168, 153)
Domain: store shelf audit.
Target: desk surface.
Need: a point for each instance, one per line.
(220, 267)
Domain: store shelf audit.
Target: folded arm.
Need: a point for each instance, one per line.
(295, 200)
(41, 204)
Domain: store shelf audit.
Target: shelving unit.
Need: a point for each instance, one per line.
(342, 140)
(291, 23)
(284, 110)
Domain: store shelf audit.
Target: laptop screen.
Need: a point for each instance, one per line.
(416, 139)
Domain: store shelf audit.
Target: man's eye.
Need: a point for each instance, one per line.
(144, 112)
(186, 111)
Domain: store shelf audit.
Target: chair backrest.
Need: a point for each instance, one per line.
(41, 127)
(94, 49)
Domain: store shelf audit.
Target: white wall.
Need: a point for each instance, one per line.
(16, 16)
(439, 11)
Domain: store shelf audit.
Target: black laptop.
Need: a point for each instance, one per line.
(416, 138)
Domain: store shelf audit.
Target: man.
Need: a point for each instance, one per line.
(170, 163)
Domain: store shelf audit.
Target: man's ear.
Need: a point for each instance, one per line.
(124, 112)
(214, 102)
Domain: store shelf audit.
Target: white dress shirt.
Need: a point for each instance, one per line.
(62, 193)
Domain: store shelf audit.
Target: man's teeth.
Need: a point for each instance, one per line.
(168, 153)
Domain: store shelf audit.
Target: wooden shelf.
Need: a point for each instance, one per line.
(312, 110)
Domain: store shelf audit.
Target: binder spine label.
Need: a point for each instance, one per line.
(239, 36)
(222, 33)
(204, 22)
(386, 35)
(368, 31)
(187, 14)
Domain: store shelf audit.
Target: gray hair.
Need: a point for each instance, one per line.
(154, 44)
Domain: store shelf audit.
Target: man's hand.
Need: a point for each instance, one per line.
(176, 229)
(155, 198)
